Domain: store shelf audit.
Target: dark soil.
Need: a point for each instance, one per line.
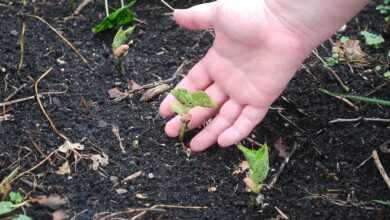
(325, 163)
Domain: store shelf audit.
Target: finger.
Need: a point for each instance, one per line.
(199, 115)
(197, 79)
(249, 118)
(198, 17)
(225, 118)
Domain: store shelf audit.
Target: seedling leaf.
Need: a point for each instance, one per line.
(122, 37)
(15, 197)
(179, 109)
(6, 207)
(183, 96)
(382, 202)
(201, 99)
(22, 217)
(118, 18)
(258, 162)
(371, 38)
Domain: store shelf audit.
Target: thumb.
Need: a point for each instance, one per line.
(197, 17)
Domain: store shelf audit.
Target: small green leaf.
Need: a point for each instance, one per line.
(183, 96)
(387, 74)
(179, 109)
(201, 99)
(118, 18)
(382, 202)
(121, 37)
(22, 217)
(344, 39)
(258, 162)
(15, 197)
(372, 39)
(6, 207)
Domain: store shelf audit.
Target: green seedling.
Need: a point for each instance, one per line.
(372, 39)
(258, 166)
(357, 98)
(187, 101)
(387, 74)
(121, 37)
(332, 61)
(384, 9)
(383, 202)
(120, 17)
(13, 202)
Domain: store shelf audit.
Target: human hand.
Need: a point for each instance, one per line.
(259, 45)
(251, 61)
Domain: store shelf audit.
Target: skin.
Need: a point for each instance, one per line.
(259, 45)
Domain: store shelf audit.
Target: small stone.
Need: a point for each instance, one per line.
(151, 176)
(3, 69)
(121, 191)
(56, 101)
(14, 33)
(102, 124)
(114, 179)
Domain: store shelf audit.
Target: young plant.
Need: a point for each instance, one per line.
(258, 166)
(119, 44)
(372, 39)
(119, 18)
(13, 202)
(187, 101)
(384, 9)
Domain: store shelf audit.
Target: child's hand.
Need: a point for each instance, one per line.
(256, 52)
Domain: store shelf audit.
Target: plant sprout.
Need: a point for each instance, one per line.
(372, 39)
(187, 101)
(258, 166)
(14, 201)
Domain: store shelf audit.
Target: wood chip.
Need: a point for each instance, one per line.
(133, 176)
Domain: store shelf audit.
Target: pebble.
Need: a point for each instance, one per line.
(121, 191)
(3, 69)
(102, 124)
(14, 33)
(114, 179)
(151, 176)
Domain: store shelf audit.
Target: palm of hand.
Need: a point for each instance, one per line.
(251, 61)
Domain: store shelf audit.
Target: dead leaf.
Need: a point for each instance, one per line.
(60, 215)
(68, 146)
(132, 85)
(155, 91)
(121, 51)
(115, 93)
(281, 148)
(99, 160)
(242, 168)
(353, 52)
(212, 189)
(64, 169)
(53, 201)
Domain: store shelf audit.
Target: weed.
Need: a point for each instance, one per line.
(357, 98)
(118, 18)
(372, 39)
(258, 166)
(11, 203)
(187, 101)
(384, 9)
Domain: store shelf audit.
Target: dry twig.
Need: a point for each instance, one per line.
(342, 120)
(168, 5)
(61, 36)
(167, 206)
(21, 44)
(31, 98)
(380, 167)
(81, 6)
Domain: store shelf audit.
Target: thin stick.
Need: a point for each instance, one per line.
(122, 3)
(15, 92)
(81, 6)
(334, 74)
(52, 125)
(30, 98)
(62, 37)
(340, 98)
(21, 43)
(106, 6)
(379, 165)
(168, 5)
(282, 167)
(341, 120)
(34, 167)
(128, 211)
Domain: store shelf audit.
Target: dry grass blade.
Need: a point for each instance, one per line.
(153, 208)
(4, 104)
(380, 167)
(168, 5)
(81, 6)
(21, 43)
(52, 125)
(62, 37)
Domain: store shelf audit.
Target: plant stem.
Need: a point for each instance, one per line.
(358, 98)
(106, 6)
(183, 128)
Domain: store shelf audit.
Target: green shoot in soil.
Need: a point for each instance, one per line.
(383, 202)
(118, 18)
(258, 165)
(185, 102)
(372, 39)
(384, 9)
(13, 202)
(121, 37)
(357, 98)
